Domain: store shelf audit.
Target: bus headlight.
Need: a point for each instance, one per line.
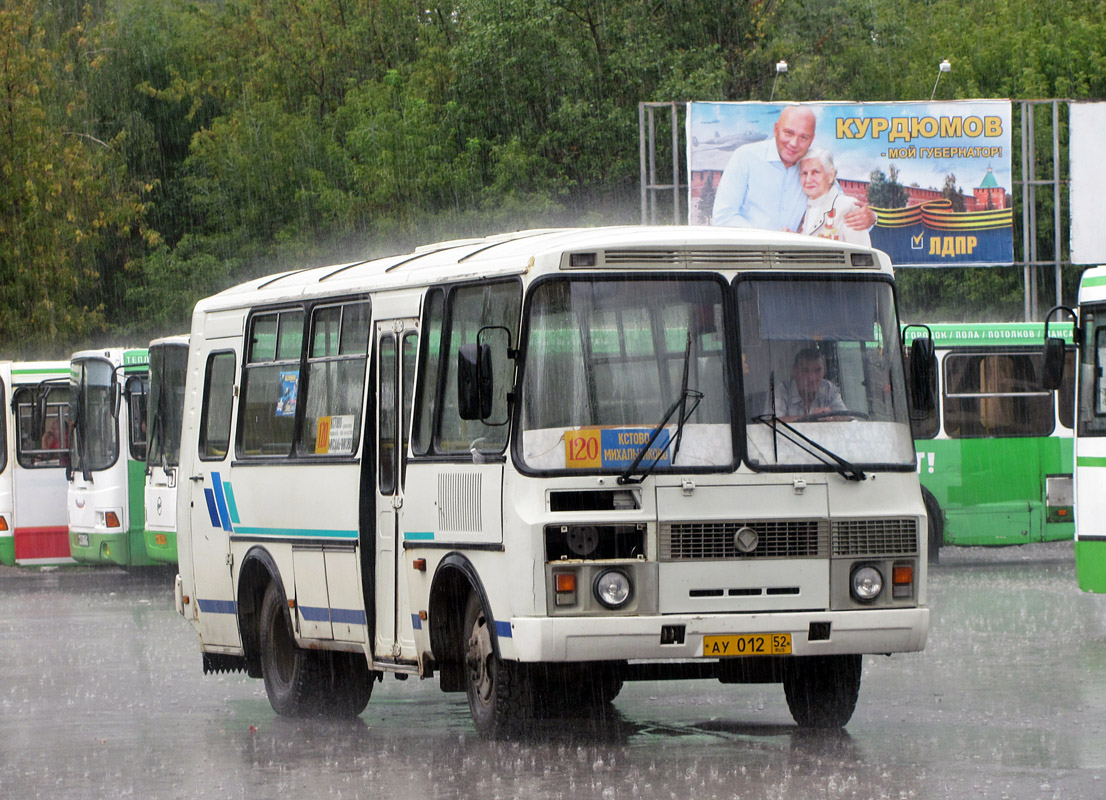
(612, 588)
(867, 583)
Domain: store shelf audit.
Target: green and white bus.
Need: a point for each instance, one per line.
(532, 466)
(34, 406)
(165, 404)
(995, 454)
(1090, 433)
(107, 456)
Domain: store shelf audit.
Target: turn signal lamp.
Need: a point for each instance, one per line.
(111, 520)
(564, 584)
(3, 523)
(902, 580)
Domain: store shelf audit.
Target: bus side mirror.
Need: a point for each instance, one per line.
(474, 381)
(1052, 375)
(923, 369)
(38, 416)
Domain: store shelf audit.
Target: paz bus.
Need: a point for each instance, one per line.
(995, 452)
(165, 404)
(533, 466)
(107, 456)
(1090, 413)
(34, 405)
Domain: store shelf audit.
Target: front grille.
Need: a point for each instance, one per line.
(804, 538)
(875, 537)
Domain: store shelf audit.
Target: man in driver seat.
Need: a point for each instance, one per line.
(808, 393)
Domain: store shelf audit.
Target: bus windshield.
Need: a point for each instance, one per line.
(95, 441)
(165, 404)
(823, 380)
(607, 357)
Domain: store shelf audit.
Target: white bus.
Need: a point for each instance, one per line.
(533, 466)
(107, 464)
(165, 405)
(1090, 421)
(34, 397)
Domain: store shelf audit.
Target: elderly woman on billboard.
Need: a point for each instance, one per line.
(827, 204)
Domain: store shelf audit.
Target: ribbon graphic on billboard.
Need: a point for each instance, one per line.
(892, 175)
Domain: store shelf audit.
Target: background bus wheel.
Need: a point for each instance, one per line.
(292, 675)
(821, 691)
(936, 527)
(499, 692)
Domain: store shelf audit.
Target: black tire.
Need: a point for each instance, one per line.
(500, 693)
(350, 686)
(292, 675)
(307, 683)
(935, 525)
(575, 689)
(821, 691)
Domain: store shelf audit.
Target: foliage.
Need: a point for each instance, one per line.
(155, 151)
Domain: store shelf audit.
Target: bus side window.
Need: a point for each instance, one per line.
(270, 384)
(217, 402)
(335, 379)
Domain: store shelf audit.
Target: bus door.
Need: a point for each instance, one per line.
(396, 349)
(39, 484)
(211, 506)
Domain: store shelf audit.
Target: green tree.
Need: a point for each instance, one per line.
(66, 204)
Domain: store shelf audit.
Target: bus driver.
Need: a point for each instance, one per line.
(808, 393)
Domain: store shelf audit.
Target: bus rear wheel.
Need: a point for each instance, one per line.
(821, 691)
(292, 675)
(303, 683)
(500, 693)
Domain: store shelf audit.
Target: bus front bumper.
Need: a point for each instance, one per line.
(609, 638)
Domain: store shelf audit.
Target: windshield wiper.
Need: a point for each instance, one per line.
(685, 413)
(846, 469)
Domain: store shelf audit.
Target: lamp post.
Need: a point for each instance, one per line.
(944, 66)
(781, 67)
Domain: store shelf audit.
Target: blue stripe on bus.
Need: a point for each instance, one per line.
(220, 500)
(314, 613)
(211, 510)
(346, 616)
(321, 532)
(503, 629)
(217, 606)
(418, 536)
(232, 507)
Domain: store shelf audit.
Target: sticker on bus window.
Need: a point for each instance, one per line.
(286, 404)
(334, 434)
(614, 448)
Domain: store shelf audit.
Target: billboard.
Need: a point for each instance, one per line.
(1088, 173)
(928, 183)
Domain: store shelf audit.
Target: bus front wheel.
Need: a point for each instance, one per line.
(821, 691)
(500, 693)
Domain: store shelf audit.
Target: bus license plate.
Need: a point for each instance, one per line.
(747, 644)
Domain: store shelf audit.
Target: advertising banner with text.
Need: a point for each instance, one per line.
(928, 183)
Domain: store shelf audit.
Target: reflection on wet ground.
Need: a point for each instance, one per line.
(102, 693)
